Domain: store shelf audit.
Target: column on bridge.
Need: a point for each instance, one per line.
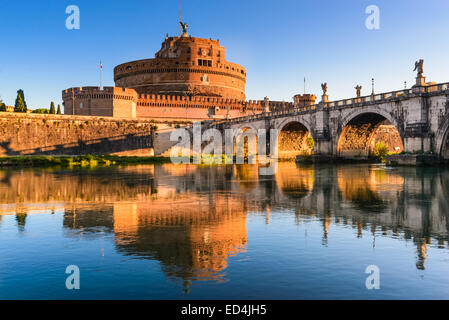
(417, 137)
(322, 139)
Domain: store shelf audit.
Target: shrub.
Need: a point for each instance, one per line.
(381, 150)
(40, 111)
(310, 143)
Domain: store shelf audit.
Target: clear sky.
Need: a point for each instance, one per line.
(279, 42)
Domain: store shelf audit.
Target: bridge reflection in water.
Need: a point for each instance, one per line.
(192, 218)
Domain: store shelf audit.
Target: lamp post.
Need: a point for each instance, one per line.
(372, 86)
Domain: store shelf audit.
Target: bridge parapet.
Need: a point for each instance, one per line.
(434, 89)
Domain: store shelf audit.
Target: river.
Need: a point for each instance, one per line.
(225, 232)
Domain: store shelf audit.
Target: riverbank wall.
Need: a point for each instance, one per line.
(415, 160)
(390, 160)
(42, 134)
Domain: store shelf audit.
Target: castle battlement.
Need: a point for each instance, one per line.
(146, 99)
(96, 93)
(126, 102)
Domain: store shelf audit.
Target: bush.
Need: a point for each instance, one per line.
(310, 143)
(381, 150)
(41, 111)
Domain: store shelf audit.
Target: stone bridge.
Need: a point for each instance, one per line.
(412, 120)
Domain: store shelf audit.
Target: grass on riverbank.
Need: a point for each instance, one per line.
(88, 161)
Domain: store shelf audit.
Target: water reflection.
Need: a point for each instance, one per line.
(192, 219)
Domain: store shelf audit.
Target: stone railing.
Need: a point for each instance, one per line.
(377, 98)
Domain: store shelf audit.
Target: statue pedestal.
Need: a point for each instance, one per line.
(420, 84)
(420, 81)
(324, 98)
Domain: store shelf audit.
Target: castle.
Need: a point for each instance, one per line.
(188, 80)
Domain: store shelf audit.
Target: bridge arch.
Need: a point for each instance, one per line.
(295, 137)
(245, 142)
(361, 130)
(442, 140)
(244, 127)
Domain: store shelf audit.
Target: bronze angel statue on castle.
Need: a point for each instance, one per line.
(184, 27)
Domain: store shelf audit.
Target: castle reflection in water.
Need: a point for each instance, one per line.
(192, 218)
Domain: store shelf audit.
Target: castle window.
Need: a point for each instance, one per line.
(188, 50)
(199, 51)
(205, 79)
(205, 63)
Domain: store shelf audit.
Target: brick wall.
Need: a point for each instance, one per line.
(126, 103)
(36, 134)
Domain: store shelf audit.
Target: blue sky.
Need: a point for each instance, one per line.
(279, 42)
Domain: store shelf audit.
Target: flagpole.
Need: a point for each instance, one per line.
(101, 71)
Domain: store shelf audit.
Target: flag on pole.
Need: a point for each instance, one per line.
(101, 82)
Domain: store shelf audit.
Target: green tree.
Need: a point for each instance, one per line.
(52, 108)
(59, 109)
(20, 105)
(2, 106)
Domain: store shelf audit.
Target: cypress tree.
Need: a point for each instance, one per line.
(59, 109)
(22, 106)
(52, 108)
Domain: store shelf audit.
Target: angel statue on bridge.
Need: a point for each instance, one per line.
(358, 90)
(419, 67)
(324, 88)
